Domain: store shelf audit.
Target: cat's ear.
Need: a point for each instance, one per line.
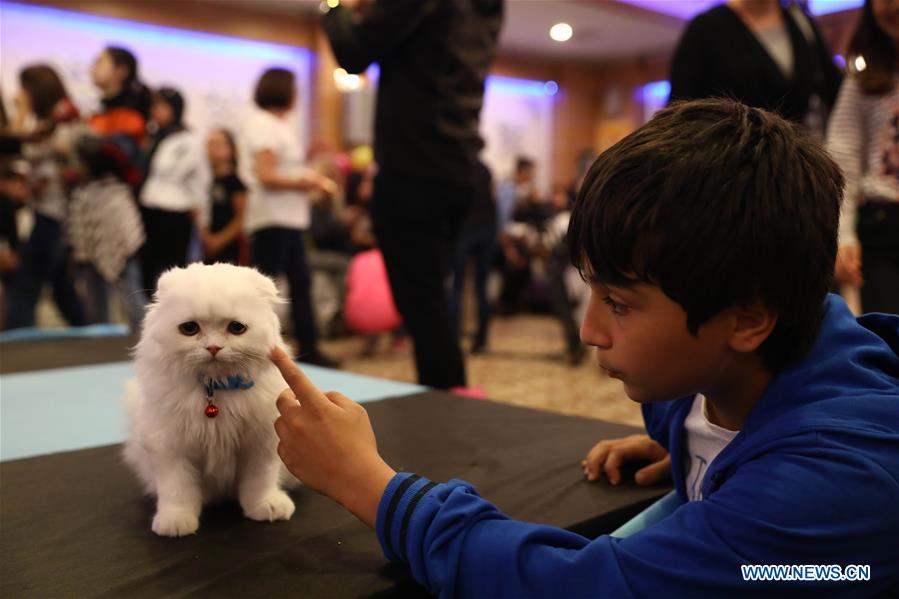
(266, 288)
(167, 281)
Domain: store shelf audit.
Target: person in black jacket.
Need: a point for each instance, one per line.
(433, 57)
(761, 54)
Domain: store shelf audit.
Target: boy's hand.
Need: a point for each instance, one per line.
(328, 443)
(609, 456)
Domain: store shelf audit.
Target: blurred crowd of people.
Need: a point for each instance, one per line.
(115, 197)
(122, 192)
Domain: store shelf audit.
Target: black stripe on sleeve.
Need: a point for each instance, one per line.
(391, 509)
(404, 528)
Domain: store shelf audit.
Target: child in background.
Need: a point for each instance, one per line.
(221, 231)
(175, 189)
(708, 237)
(106, 232)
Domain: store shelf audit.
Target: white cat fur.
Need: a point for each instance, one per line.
(183, 457)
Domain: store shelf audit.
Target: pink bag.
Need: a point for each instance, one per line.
(369, 307)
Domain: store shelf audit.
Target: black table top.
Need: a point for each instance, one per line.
(76, 524)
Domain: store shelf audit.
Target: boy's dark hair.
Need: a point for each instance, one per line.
(275, 89)
(879, 52)
(716, 203)
(523, 163)
(104, 157)
(45, 89)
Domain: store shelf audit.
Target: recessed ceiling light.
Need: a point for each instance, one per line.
(561, 32)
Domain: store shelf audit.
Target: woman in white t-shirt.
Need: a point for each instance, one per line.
(278, 186)
(175, 188)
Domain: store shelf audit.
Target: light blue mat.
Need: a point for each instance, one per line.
(48, 411)
(91, 330)
(659, 510)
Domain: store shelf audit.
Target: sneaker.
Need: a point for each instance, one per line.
(476, 392)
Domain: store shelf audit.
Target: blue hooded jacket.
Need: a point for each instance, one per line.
(812, 478)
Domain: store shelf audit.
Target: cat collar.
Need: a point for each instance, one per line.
(234, 382)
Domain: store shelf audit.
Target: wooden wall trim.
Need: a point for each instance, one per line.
(198, 16)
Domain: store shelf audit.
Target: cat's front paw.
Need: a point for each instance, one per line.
(275, 506)
(175, 523)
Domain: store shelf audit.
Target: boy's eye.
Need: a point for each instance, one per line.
(615, 306)
(190, 328)
(237, 328)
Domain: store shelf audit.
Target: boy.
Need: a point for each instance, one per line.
(708, 237)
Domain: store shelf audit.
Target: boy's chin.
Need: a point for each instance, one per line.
(643, 396)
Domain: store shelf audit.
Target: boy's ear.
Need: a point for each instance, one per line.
(752, 324)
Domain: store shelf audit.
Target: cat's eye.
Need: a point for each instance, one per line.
(237, 328)
(190, 328)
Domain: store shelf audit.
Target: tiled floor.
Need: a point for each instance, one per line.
(525, 365)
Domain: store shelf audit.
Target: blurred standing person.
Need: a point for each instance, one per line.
(761, 54)
(13, 195)
(106, 232)
(864, 140)
(521, 213)
(46, 118)
(125, 100)
(515, 191)
(433, 58)
(222, 228)
(278, 207)
(175, 188)
(477, 241)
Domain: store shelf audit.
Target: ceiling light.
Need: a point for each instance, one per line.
(561, 32)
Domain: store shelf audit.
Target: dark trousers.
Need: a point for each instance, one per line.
(168, 236)
(556, 263)
(416, 222)
(878, 232)
(44, 259)
(478, 244)
(276, 251)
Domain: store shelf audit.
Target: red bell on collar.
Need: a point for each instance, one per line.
(211, 410)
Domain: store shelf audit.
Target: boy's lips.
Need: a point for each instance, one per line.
(610, 371)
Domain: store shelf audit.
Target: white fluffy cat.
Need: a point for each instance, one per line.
(207, 323)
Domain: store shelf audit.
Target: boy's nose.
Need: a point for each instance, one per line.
(213, 349)
(593, 331)
(591, 335)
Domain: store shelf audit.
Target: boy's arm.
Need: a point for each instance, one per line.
(787, 506)
(458, 544)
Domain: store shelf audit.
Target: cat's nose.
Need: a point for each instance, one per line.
(213, 349)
